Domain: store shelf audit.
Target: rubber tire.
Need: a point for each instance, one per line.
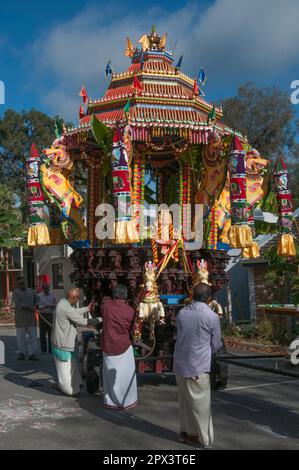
(92, 377)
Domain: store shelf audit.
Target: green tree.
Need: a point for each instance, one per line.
(12, 230)
(17, 132)
(266, 116)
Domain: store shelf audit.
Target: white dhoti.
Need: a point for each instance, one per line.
(119, 380)
(69, 379)
(195, 409)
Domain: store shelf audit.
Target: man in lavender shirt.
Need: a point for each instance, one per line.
(198, 336)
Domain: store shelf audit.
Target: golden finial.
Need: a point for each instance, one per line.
(129, 52)
(145, 42)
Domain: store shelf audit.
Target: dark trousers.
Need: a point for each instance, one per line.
(44, 331)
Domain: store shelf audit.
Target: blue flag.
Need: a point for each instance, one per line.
(202, 77)
(108, 70)
(178, 65)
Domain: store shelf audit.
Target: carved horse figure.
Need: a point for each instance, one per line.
(150, 308)
(54, 178)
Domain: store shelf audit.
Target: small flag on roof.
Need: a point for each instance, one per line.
(109, 69)
(179, 64)
(195, 87)
(127, 107)
(84, 95)
(202, 76)
(137, 85)
(212, 114)
(58, 128)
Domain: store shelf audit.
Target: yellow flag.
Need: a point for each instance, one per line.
(129, 52)
(162, 43)
(145, 42)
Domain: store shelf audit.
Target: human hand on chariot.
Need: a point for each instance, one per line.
(96, 322)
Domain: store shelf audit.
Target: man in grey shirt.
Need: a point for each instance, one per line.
(198, 336)
(24, 300)
(64, 333)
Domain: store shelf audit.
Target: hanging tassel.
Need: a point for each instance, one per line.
(186, 199)
(252, 251)
(286, 245)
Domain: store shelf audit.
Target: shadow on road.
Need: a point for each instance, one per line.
(126, 419)
(260, 412)
(26, 373)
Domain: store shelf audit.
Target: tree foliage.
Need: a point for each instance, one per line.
(18, 130)
(12, 230)
(267, 117)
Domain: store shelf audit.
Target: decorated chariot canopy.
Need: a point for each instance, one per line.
(154, 137)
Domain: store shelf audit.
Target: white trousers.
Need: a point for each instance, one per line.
(195, 409)
(69, 379)
(27, 338)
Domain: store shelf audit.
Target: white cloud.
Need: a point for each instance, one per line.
(236, 41)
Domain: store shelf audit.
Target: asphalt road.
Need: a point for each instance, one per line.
(258, 410)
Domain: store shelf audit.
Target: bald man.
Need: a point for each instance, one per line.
(66, 320)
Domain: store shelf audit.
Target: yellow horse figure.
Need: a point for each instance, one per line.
(214, 186)
(54, 176)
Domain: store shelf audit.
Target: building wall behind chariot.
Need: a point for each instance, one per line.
(262, 292)
(53, 265)
(27, 272)
(239, 288)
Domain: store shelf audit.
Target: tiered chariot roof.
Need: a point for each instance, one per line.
(167, 99)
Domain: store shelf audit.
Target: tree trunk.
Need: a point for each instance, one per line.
(6, 275)
(287, 288)
(229, 309)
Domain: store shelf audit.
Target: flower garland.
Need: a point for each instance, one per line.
(159, 148)
(141, 216)
(95, 195)
(91, 204)
(158, 234)
(186, 199)
(138, 190)
(213, 232)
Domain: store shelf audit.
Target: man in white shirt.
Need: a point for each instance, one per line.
(46, 305)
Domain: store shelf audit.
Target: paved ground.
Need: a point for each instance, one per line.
(258, 410)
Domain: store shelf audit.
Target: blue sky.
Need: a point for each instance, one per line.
(48, 50)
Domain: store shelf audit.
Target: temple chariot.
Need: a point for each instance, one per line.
(152, 140)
